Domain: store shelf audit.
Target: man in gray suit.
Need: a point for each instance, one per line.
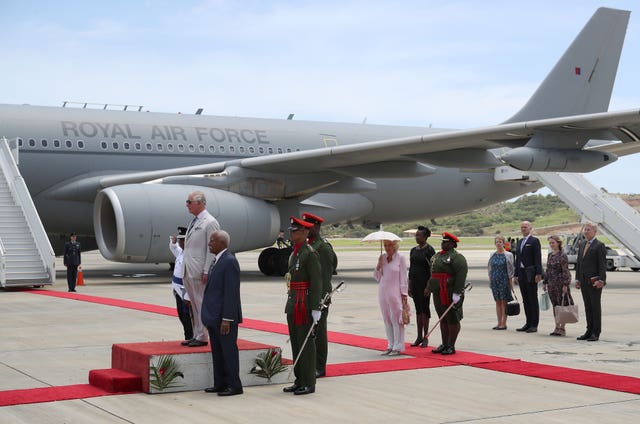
(591, 277)
(197, 260)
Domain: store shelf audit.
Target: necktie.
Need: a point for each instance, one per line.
(584, 252)
(193, 221)
(213, 263)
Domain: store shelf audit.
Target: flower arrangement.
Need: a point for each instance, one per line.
(269, 363)
(164, 372)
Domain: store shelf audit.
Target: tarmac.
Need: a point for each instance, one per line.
(48, 341)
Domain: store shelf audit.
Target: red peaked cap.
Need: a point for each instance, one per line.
(298, 224)
(449, 237)
(314, 219)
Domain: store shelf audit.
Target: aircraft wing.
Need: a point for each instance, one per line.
(296, 173)
(571, 132)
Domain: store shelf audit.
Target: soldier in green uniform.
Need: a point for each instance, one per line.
(327, 265)
(304, 280)
(448, 275)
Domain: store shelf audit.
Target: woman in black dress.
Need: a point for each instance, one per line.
(419, 274)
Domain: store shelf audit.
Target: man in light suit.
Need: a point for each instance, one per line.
(528, 273)
(197, 260)
(221, 313)
(591, 277)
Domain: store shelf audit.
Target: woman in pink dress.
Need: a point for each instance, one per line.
(391, 274)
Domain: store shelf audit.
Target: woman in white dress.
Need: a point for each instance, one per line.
(391, 274)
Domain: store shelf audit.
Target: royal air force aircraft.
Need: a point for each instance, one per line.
(123, 176)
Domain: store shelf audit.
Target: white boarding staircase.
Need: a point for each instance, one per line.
(26, 256)
(614, 215)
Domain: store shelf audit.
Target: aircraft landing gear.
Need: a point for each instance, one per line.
(273, 261)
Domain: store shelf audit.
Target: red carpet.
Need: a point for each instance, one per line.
(50, 394)
(420, 358)
(619, 383)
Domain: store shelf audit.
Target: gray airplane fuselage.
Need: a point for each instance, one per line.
(61, 145)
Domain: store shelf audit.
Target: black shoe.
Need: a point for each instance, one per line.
(425, 343)
(593, 338)
(531, 330)
(305, 390)
(214, 389)
(186, 342)
(439, 349)
(523, 328)
(320, 374)
(196, 343)
(291, 389)
(417, 342)
(229, 391)
(583, 337)
(449, 350)
(72, 290)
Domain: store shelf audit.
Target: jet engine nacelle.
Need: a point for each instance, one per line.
(556, 160)
(133, 222)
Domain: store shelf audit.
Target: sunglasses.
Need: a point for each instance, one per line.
(191, 201)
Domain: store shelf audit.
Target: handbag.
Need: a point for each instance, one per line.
(406, 312)
(566, 314)
(513, 308)
(544, 302)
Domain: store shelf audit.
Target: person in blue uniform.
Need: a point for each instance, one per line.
(72, 260)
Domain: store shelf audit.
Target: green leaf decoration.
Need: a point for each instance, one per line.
(269, 363)
(164, 372)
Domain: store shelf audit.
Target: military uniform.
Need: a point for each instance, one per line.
(72, 259)
(327, 265)
(305, 285)
(448, 275)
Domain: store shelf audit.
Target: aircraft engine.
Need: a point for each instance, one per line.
(133, 222)
(556, 160)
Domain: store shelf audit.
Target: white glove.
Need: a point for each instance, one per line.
(316, 316)
(456, 298)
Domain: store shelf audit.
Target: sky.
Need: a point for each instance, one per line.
(453, 64)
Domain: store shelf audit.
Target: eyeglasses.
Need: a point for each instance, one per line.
(191, 201)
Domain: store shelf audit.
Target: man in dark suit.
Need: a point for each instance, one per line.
(221, 314)
(591, 277)
(528, 274)
(72, 260)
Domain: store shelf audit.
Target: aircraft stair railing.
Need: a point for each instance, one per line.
(27, 253)
(615, 216)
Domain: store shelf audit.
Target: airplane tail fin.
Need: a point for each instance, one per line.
(582, 80)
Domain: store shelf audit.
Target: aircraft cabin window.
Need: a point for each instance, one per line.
(149, 147)
(232, 149)
(32, 142)
(170, 147)
(68, 143)
(80, 144)
(103, 145)
(212, 149)
(138, 146)
(261, 150)
(288, 150)
(126, 146)
(192, 148)
(159, 146)
(181, 147)
(44, 143)
(200, 148)
(252, 150)
(270, 150)
(115, 145)
(241, 149)
(221, 149)
(279, 149)
(56, 143)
